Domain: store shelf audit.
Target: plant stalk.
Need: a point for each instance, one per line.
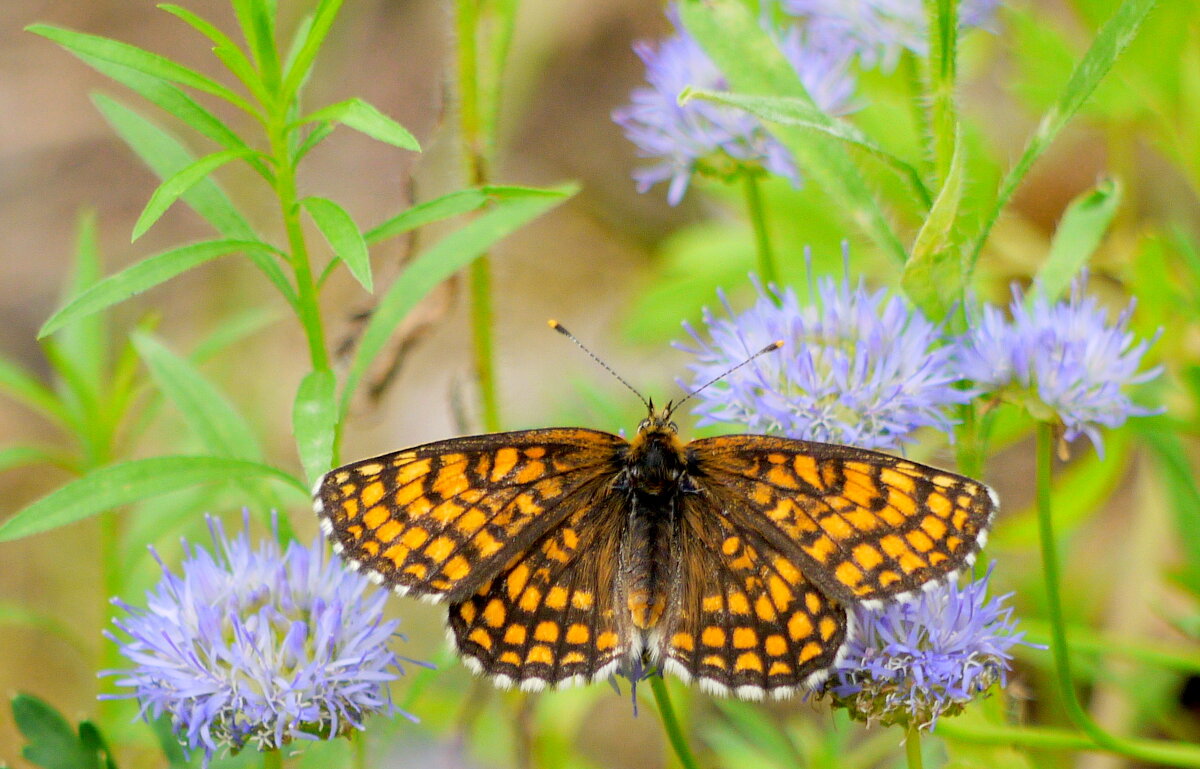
(762, 239)
(670, 723)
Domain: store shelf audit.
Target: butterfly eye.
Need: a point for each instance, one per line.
(674, 427)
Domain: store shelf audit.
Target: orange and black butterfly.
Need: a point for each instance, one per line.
(567, 554)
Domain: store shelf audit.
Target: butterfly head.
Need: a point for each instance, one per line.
(658, 420)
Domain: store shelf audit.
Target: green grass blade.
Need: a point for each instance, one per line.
(934, 277)
(131, 56)
(435, 264)
(314, 416)
(1079, 233)
(174, 186)
(1111, 40)
(446, 206)
(133, 481)
(145, 275)
(362, 116)
(343, 237)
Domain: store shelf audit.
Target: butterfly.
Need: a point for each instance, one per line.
(568, 554)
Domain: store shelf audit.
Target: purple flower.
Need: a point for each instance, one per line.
(910, 663)
(1062, 361)
(703, 137)
(880, 29)
(856, 367)
(251, 646)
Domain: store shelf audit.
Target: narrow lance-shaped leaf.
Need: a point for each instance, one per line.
(307, 50)
(86, 342)
(133, 481)
(448, 205)
(934, 277)
(361, 116)
(174, 186)
(1079, 233)
(343, 237)
(144, 275)
(26, 389)
(314, 417)
(443, 259)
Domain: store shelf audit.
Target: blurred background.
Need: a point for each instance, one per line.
(620, 269)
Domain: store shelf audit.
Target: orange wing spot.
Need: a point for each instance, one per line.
(891, 477)
(800, 626)
(356, 531)
(744, 638)
(546, 631)
(350, 508)
(439, 549)
(748, 661)
(963, 500)
(900, 507)
(407, 495)
(418, 570)
(713, 603)
(806, 467)
(397, 554)
(934, 527)
(781, 592)
(776, 459)
(530, 472)
(836, 526)
(535, 452)
(375, 517)
(578, 634)
(953, 543)
(739, 603)
(540, 654)
(483, 466)
(863, 520)
(829, 476)
(467, 612)
(937, 557)
(581, 599)
(910, 562)
(713, 636)
(828, 627)
(863, 496)
(371, 494)
(494, 613)
(959, 519)
(762, 495)
(530, 598)
(515, 582)
(450, 482)
(526, 505)
(776, 645)
(486, 544)
(812, 602)
(867, 557)
(919, 541)
(809, 651)
(848, 574)
(511, 658)
(781, 478)
(556, 598)
(779, 669)
(944, 481)
(893, 545)
(481, 637)
(414, 537)
(764, 609)
(410, 472)
(731, 545)
(570, 538)
(371, 548)
(938, 504)
(787, 570)
(389, 531)
(683, 641)
(573, 658)
(471, 521)
(745, 561)
(554, 552)
(606, 640)
(713, 661)
(887, 577)
(515, 635)
(342, 477)
(821, 549)
(456, 568)
(549, 487)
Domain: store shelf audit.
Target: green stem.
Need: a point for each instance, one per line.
(762, 239)
(912, 748)
(480, 278)
(942, 73)
(1176, 754)
(671, 723)
(1170, 753)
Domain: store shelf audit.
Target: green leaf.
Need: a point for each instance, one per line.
(234, 329)
(28, 390)
(314, 417)
(144, 275)
(440, 261)
(448, 205)
(224, 48)
(934, 277)
(121, 484)
(297, 73)
(258, 27)
(343, 237)
(12, 457)
(1079, 233)
(361, 116)
(93, 744)
(802, 113)
(168, 742)
(139, 59)
(174, 186)
(52, 742)
(208, 413)
(1111, 40)
(732, 37)
(85, 342)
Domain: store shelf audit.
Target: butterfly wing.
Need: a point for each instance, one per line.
(441, 519)
(864, 526)
(548, 618)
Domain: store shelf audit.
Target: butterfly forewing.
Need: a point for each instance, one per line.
(862, 525)
(441, 519)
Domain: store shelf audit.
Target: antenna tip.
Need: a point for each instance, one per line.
(773, 345)
(560, 328)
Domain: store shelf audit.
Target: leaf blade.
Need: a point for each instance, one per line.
(1079, 233)
(365, 118)
(314, 416)
(343, 236)
(174, 186)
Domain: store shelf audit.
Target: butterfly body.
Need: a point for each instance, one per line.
(567, 554)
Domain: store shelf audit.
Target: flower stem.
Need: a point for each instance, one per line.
(942, 72)
(762, 240)
(912, 748)
(670, 723)
(1176, 754)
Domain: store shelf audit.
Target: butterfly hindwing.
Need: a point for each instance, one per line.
(864, 526)
(441, 519)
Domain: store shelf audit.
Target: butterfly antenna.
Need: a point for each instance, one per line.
(562, 330)
(769, 348)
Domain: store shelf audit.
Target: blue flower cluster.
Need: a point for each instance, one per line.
(258, 647)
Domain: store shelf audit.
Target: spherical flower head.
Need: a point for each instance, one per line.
(254, 646)
(857, 367)
(1062, 361)
(909, 663)
(881, 29)
(703, 137)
